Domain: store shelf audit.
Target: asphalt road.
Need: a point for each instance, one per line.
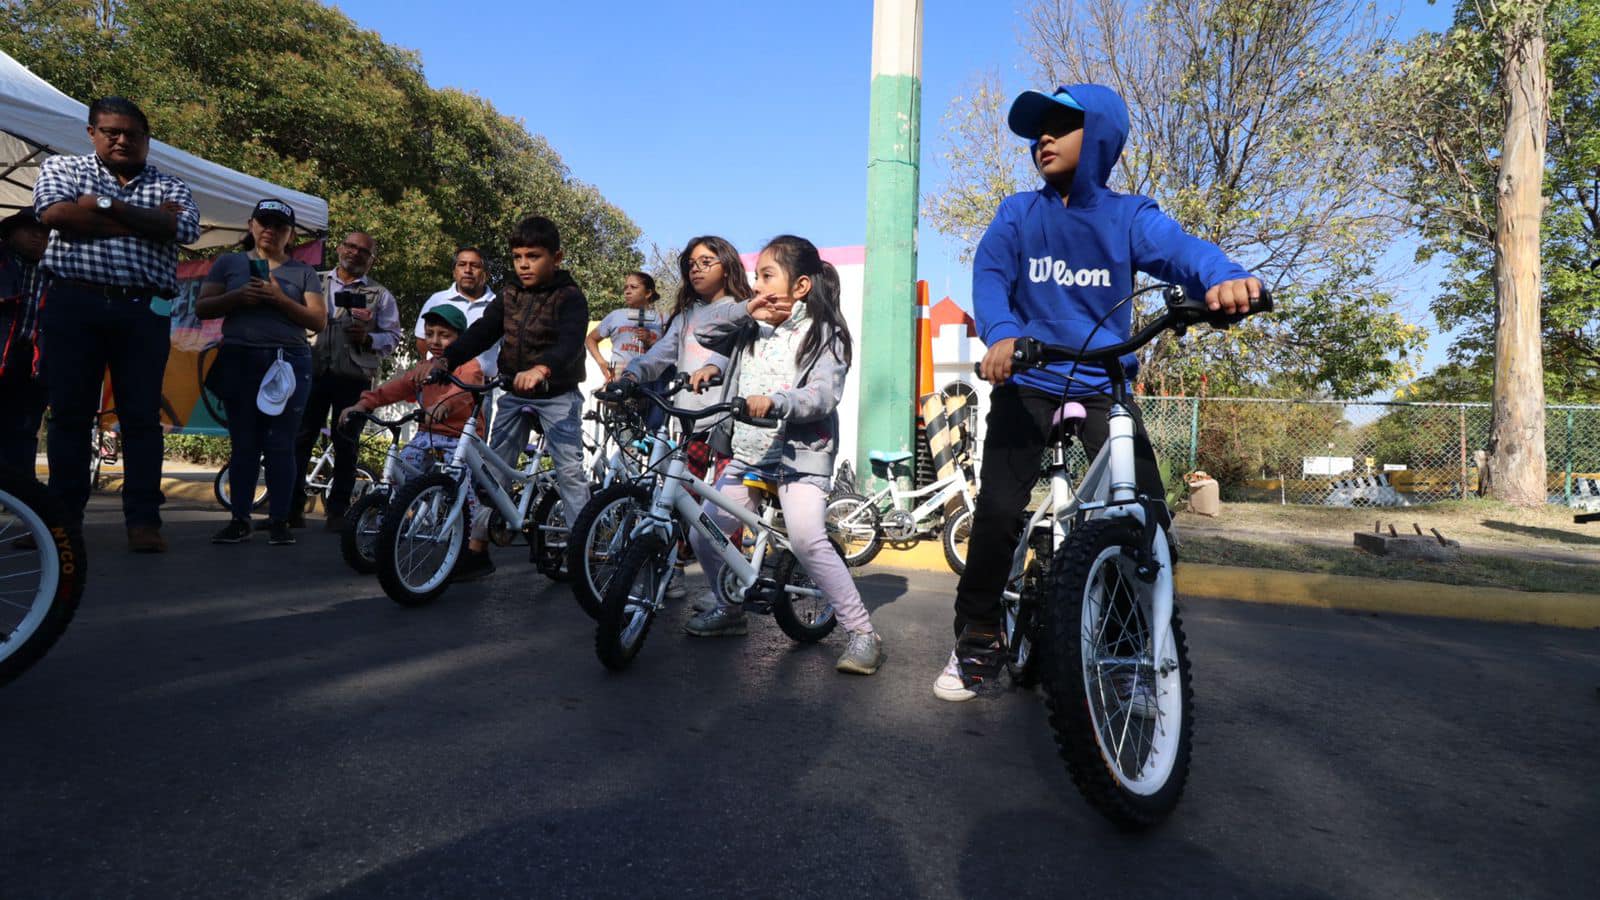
(259, 721)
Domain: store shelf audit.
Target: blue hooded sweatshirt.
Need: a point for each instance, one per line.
(1050, 271)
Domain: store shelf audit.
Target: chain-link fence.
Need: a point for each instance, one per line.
(1345, 453)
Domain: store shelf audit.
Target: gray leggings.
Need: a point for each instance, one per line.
(803, 506)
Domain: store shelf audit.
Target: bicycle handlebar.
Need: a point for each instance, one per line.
(1181, 312)
(625, 388)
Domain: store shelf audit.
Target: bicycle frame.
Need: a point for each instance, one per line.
(473, 463)
(942, 492)
(1108, 488)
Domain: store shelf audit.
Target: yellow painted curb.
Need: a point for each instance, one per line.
(1344, 592)
(1414, 598)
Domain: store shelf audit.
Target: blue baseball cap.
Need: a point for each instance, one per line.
(1028, 111)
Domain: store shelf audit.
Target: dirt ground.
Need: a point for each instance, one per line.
(1501, 545)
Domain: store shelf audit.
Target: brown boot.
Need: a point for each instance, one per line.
(146, 539)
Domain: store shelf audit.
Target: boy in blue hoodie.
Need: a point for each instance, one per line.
(1051, 266)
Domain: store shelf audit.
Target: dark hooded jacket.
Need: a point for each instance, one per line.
(1053, 272)
(541, 325)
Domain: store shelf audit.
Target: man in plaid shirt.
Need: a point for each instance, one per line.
(116, 225)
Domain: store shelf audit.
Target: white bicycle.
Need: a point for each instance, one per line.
(1089, 607)
(770, 579)
(425, 527)
(42, 572)
(862, 524)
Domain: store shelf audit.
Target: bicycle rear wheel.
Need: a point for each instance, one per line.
(42, 570)
(221, 489)
(852, 522)
(798, 605)
(358, 542)
(1123, 721)
(416, 551)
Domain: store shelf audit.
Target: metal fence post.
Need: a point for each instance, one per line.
(1194, 433)
(1463, 413)
(1566, 488)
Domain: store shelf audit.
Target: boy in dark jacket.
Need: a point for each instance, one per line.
(1052, 266)
(540, 321)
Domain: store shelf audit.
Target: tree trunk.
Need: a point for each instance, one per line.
(1516, 463)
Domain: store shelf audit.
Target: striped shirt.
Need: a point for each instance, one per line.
(132, 261)
(21, 287)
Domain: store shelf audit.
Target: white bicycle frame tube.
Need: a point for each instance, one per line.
(482, 466)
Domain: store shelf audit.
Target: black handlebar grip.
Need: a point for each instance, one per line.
(1263, 303)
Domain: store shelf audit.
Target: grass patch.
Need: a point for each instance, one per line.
(1484, 570)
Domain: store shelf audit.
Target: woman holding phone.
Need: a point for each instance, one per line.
(267, 302)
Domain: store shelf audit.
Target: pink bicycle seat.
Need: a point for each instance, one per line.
(1070, 411)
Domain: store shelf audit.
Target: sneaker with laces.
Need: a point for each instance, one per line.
(1136, 695)
(472, 565)
(279, 535)
(721, 620)
(863, 655)
(974, 666)
(237, 531)
(678, 587)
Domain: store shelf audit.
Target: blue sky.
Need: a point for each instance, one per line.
(735, 118)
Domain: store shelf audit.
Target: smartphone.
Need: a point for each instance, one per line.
(351, 300)
(260, 269)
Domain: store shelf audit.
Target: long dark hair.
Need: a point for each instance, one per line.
(798, 258)
(734, 280)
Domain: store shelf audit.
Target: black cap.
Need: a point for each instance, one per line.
(270, 209)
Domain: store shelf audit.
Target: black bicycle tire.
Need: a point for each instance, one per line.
(875, 546)
(584, 590)
(387, 577)
(1070, 717)
(349, 542)
(648, 551)
(783, 605)
(956, 562)
(222, 498)
(72, 563)
(550, 561)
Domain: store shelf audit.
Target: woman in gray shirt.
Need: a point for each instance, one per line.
(267, 302)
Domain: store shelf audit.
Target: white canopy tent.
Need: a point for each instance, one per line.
(37, 121)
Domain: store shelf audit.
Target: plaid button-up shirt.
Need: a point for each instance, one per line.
(133, 261)
(21, 286)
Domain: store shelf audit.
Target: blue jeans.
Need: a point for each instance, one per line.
(561, 417)
(259, 438)
(82, 335)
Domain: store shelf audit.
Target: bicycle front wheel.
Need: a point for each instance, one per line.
(957, 532)
(42, 568)
(598, 538)
(417, 549)
(1123, 720)
(221, 489)
(630, 602)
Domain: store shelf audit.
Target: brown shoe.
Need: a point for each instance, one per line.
(146, 539)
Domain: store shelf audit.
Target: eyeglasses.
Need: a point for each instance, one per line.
(704, 262)
(357, 249)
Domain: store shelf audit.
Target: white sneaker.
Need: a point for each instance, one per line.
(706, 602)
(949, 686)
(863, 655)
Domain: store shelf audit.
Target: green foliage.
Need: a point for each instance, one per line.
(202, 449)
(1445, 112)
(293, 91)
(1252, 126)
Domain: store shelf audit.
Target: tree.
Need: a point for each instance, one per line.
(293, 91)
(1252, 126)
(1473, 114)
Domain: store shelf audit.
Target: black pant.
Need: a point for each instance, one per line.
(1017, 433)
(330, 396)
(22, 402)
(84, 333)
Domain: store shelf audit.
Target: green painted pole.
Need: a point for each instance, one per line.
(886, 347)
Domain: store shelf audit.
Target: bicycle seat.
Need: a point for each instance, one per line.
(890, 457)
(756, 481)
(1070, 411)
